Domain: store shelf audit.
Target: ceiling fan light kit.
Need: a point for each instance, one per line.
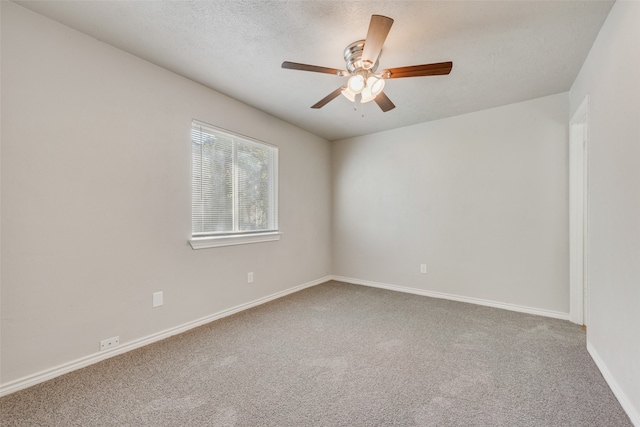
(362, 58)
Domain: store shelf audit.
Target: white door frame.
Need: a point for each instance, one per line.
(578, 204)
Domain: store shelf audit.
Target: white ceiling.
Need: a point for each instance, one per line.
(502, 51)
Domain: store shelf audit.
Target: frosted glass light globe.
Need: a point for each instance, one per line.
(356, 83)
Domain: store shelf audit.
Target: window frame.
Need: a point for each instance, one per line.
(229, 238)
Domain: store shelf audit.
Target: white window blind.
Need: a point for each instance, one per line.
(233, 183)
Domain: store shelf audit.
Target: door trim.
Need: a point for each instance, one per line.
(578, 209)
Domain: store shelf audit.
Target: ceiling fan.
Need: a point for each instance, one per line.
(362, 57)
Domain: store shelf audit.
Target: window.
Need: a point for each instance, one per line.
(234, 181)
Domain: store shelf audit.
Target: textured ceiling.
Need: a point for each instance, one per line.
(502, 51)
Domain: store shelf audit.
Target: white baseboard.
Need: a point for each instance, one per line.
(632, 412)
(47, 374)
(478, 301)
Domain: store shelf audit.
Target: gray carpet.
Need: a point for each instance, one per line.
(340, 355)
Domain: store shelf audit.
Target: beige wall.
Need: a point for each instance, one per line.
(96, 199)
(481, 198)
(610, 77)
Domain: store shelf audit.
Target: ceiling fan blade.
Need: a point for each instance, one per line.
(324, 101)
(437, 69)
(384, 102)
(314, 68)
(378, 30)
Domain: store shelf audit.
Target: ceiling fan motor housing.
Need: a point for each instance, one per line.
(353, 58)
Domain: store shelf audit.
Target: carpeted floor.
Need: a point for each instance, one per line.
(340, 355)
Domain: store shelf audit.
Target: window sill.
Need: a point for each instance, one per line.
(242, 239)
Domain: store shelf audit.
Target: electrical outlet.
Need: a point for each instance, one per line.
(158, 299)
(423, 268)
(109, 342)
(249, 277)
